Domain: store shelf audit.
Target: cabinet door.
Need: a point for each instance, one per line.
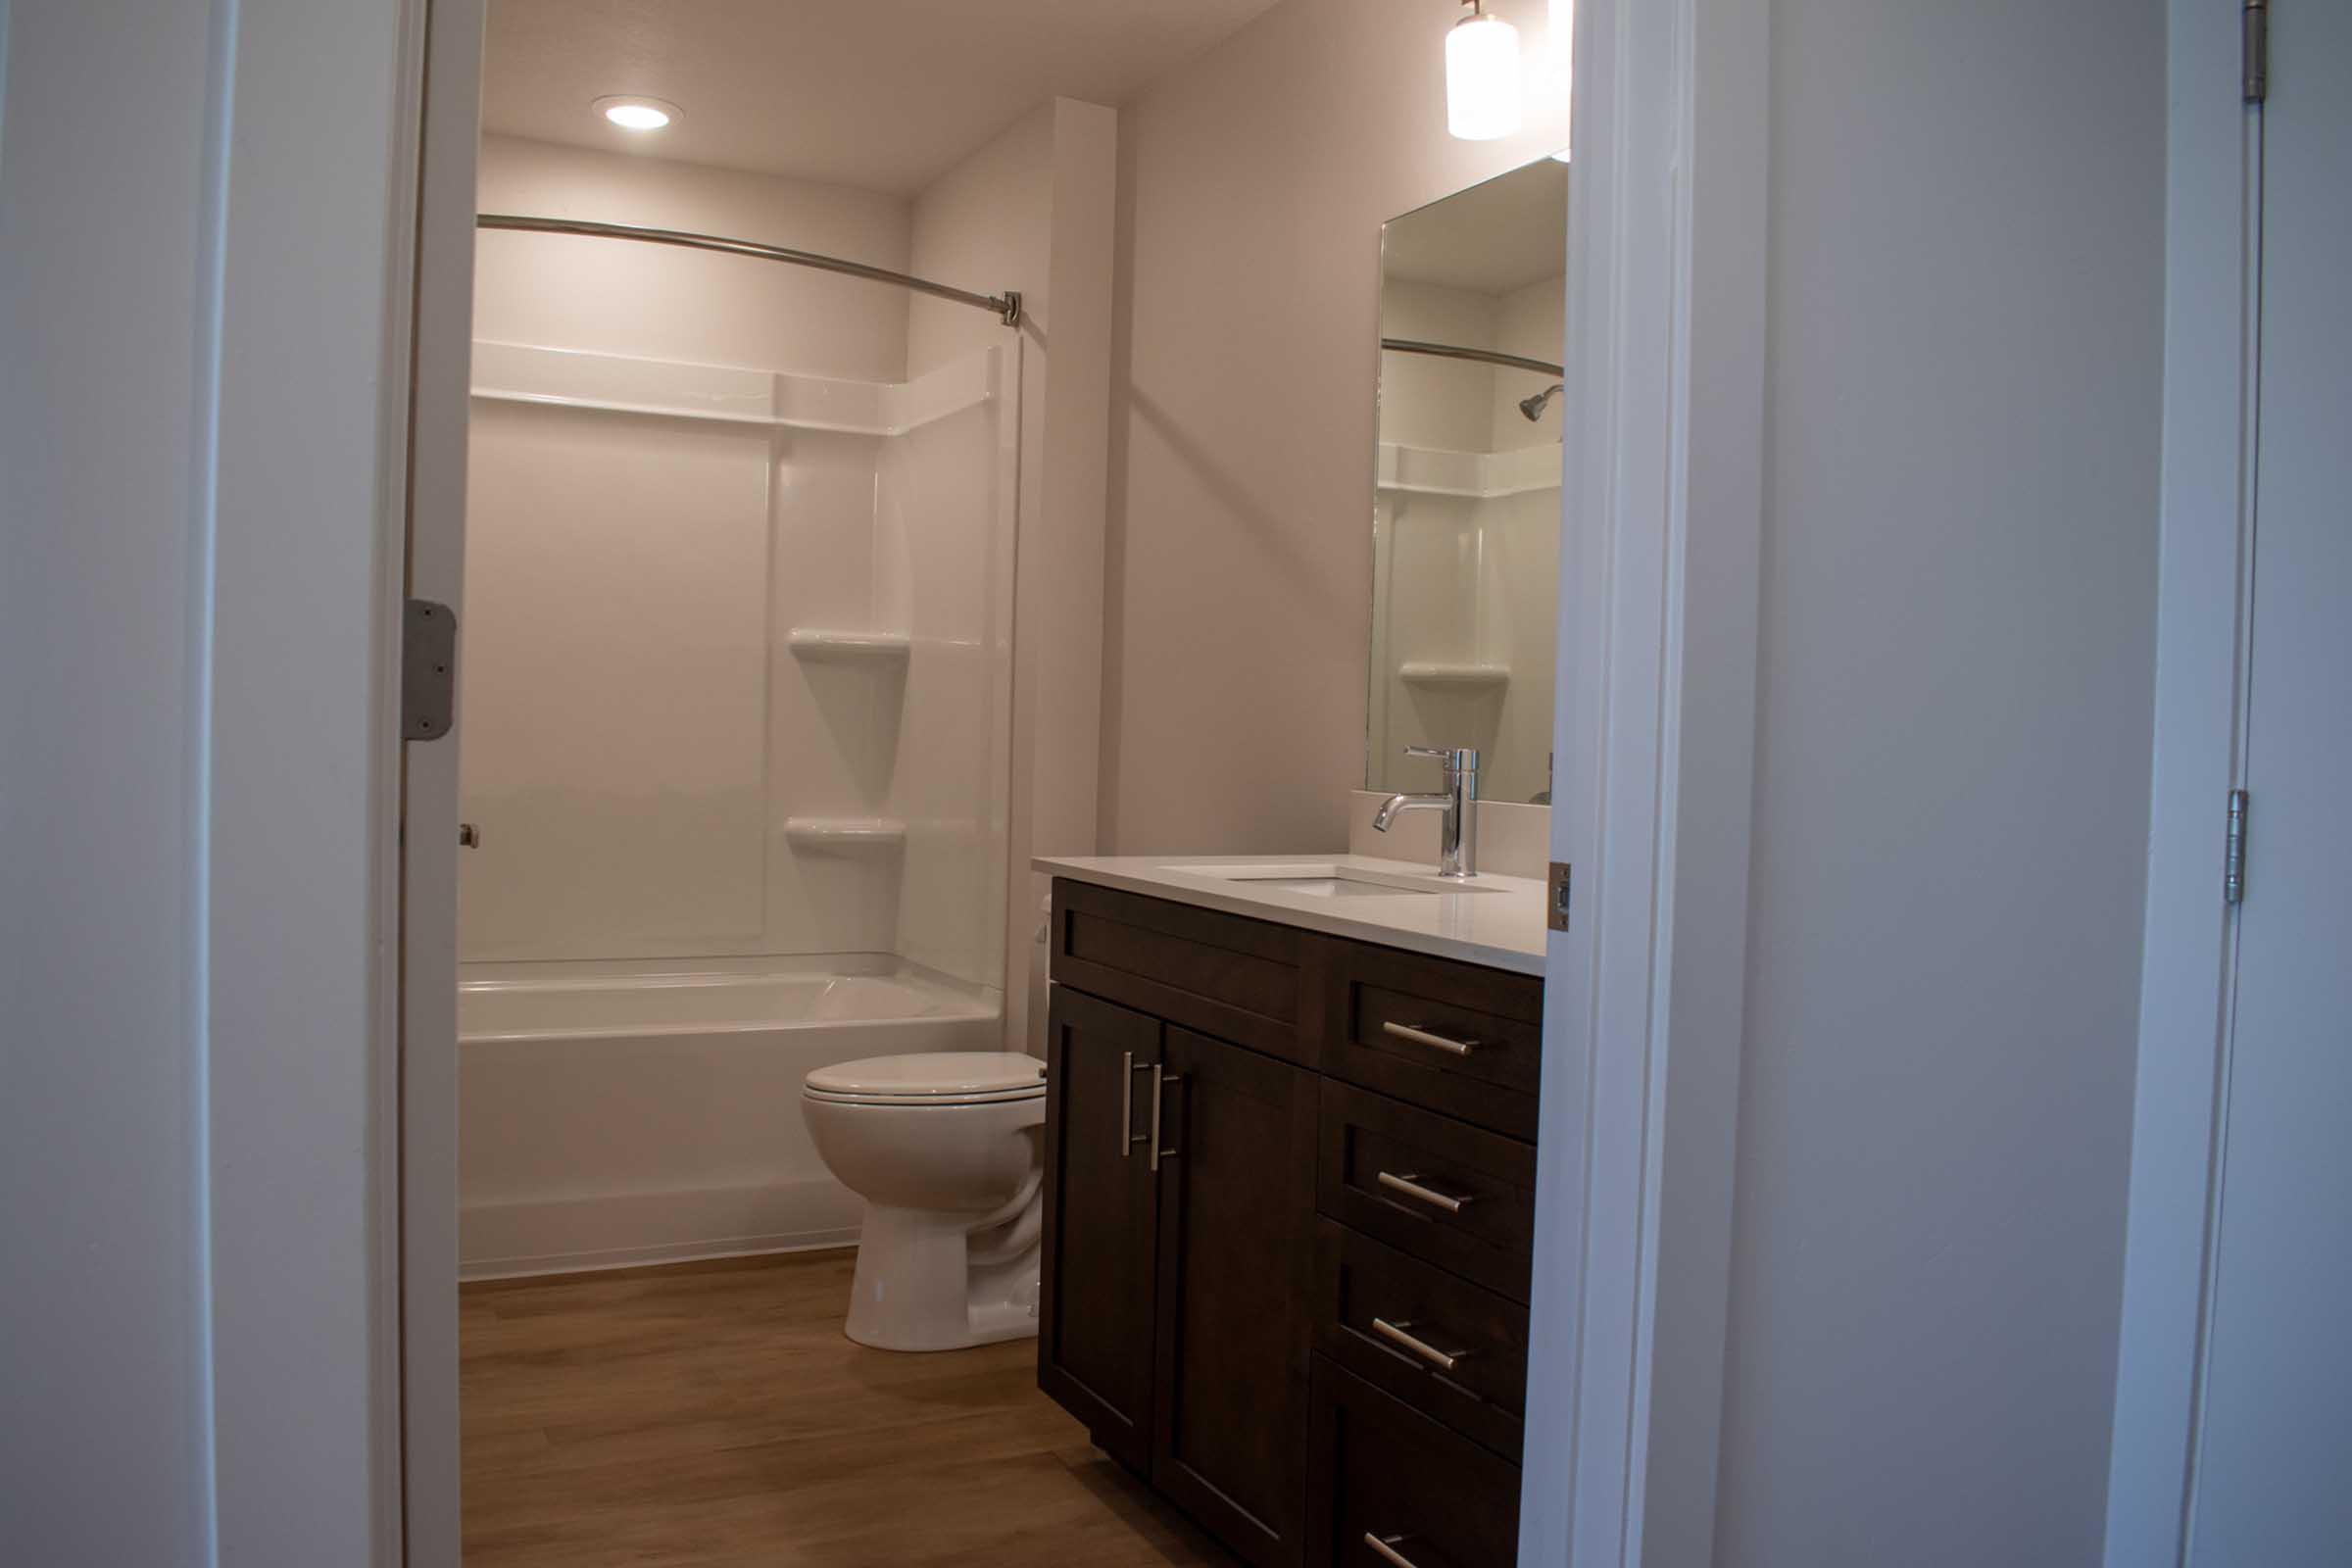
(1094, 1346)
(1235, 1154)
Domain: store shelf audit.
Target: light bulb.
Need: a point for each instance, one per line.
(637, 113)
(1482, 78)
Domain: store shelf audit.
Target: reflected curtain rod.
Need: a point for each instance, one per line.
(1007, 306)
(1451, 351)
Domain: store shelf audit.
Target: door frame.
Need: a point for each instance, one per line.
(1644, 999)
(1657, 654)
(444, 129)
(2212, 161)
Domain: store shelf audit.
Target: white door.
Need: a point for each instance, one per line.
(2273, 1476)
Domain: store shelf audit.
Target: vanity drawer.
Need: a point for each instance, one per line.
(1452, 1036)
(1445, 1192)
(1236, 979)
(1386, 1473)
(1440, 1344)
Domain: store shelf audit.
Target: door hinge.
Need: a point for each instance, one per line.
(2233, 850)
(2255, 20)
(428, 670)
(1555, 903)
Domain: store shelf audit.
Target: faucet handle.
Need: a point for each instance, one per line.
(1458, 759)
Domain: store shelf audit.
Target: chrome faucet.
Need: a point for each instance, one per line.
(1457, 834)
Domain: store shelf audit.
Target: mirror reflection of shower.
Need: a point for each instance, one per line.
(1466, 501)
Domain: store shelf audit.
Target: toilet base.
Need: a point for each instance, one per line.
(929, 1281)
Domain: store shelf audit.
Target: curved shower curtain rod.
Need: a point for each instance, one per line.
(1007, 306)
(1451, 351)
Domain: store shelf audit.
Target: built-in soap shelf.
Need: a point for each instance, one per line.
(839, 835)
(823, 646)
(1443, 672)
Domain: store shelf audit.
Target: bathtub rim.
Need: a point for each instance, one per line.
(967, 1003)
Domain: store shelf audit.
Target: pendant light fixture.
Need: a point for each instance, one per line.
(1482, 76)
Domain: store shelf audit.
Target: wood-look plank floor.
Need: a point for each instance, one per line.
(713, 1414)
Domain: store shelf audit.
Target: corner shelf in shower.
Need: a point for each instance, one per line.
(845, 834)
(847, 647)
(1440, 672)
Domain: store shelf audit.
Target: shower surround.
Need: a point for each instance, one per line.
(735, 711)
(736, 689)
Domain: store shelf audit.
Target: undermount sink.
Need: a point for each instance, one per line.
(1326, 879)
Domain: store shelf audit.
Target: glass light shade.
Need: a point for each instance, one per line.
(1481, 78)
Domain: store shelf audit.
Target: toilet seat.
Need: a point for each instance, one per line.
(933, 1078)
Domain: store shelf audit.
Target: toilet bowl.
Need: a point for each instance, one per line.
(946, 1152)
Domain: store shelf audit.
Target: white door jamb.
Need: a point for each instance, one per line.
(2212, 191)
(450, 130)
(1663, 509)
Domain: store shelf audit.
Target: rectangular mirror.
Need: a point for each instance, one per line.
(1466, 509)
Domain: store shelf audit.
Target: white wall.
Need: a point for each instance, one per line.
(204, 381)
(108, 1432)
(1033, 211)
(660, 302)
(1951, 795)
(1255, 181)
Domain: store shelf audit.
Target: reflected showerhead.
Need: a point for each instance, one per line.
(1532, 407)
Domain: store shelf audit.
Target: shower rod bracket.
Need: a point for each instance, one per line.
(1005, 306)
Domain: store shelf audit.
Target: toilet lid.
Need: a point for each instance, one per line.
(934, 1078)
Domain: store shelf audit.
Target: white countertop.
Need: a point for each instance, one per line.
(1494, 920)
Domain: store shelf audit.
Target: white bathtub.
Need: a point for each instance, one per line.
(634, 1113)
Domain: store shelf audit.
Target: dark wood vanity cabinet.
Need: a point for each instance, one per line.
(1173, 1318)
(1096, 1305)
(1288, 1215)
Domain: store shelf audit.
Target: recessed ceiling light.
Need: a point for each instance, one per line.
(637, 113)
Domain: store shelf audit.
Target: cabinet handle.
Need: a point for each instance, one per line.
(1386, 1547)
(1410, 1186)
(1398, 1334)
(1128, 1136)
(1160, 1079)
(1422, 1037)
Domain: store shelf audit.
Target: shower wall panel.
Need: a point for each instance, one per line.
(736, 660)
(616, 684)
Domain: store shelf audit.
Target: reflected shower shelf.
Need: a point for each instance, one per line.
(1440, 672)
(847, 646)
(844, 833)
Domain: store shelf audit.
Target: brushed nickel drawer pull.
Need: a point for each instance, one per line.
(1385, 1546)
(1422, 1037)
(1160, 1079)
(1399, 1334)
(1410, 1186)
(1129, 1137)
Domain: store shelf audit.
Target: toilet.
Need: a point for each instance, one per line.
(947, 1150)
